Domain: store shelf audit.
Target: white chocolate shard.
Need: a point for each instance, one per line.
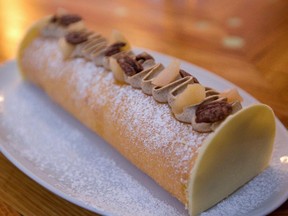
(116, 69)
(232, 95)
(66, 48)
(117, 36)
(237, 151)
(168, 75)
(78, 26)
(192, 95)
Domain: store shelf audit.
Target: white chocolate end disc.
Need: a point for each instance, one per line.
(236, 152)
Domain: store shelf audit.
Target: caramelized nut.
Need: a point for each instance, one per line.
(54, 19)
(129, 65)
(68, 19)
(114, 48)
(213, 112)
(75, 38)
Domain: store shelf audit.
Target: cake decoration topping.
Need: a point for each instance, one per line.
(232, 95)
(168, 75)
(76, 37)
(142, 57)
(65, 48)
(117, 71)
(54, 19)
(117, 36)
(69, 43)
(183, 74)
(61, 23)
(92, 49)
(213, 112)
(68, 19)
(129, 65)
(114, 48)
(192, 95)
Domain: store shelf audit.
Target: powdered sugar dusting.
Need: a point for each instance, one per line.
(56, 58)
(85, 73)
(150, 125)
(66, 153)
(161, 131)
(252, 195)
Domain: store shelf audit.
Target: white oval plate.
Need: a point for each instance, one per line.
(59, 153)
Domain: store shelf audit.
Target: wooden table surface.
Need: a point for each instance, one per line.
(244, 41)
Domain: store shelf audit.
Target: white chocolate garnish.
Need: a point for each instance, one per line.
(232, 95)
(117, 36)
(65, 48)
(192, 95)
(168, 75)
(116, 69)
(77, 26)
(237, 151)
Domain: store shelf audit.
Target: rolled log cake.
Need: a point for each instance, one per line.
(195, 142)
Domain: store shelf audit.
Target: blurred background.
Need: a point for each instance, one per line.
(244, 41)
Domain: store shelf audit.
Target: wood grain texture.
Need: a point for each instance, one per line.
(6, 210)
(243, 41)
(29, 198)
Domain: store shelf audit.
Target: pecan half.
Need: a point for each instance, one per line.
(75, 38)
(183, 74)
(54, 19)
(114, 48)
(68, 19)
(142, 57)
(213, 112)
(129, 65)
